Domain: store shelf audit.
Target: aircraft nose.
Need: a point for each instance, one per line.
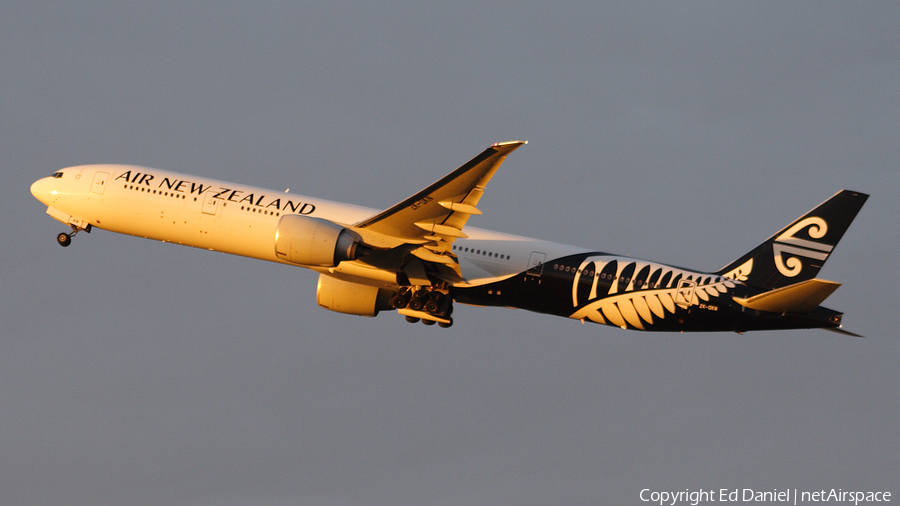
(43, 190)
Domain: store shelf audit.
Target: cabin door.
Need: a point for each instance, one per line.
(536, 263)
(99, 183)
(684, 294)
(210, 204)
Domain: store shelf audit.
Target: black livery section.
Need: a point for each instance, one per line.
(543, 289)
(637, 295)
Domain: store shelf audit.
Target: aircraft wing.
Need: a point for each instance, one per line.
(434, 217)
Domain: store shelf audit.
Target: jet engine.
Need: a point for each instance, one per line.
(351, 298)
(313, 241)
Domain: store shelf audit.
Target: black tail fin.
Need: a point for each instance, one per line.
(798, 251)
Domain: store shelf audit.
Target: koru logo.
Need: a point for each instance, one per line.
(787, 244)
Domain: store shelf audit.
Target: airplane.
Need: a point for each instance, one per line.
(418, 257)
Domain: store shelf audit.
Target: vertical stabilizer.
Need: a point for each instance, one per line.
(798, 251)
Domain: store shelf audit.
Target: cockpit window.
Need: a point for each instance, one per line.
(57, 175)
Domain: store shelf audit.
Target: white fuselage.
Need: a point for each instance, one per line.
(242, 220)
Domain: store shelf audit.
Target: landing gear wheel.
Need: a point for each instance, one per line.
(63, 239)
(416, 303)
(446, 325)
(399, 301)
(429, 322)
(412, 319)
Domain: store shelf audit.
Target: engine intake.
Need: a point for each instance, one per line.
(313, 241)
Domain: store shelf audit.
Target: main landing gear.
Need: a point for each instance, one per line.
(65, 239)
(426, 304)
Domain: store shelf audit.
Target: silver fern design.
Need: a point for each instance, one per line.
(653, 293)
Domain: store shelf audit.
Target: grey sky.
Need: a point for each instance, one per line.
(135, 372)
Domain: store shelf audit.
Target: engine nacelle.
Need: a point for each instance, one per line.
(313, 241)
(351, 298)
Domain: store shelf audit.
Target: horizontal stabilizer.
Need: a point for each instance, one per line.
(842, 331)
(801, 297)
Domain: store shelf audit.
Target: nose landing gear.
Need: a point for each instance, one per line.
(65, 239)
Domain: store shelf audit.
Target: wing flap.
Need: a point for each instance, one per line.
(427, 254)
